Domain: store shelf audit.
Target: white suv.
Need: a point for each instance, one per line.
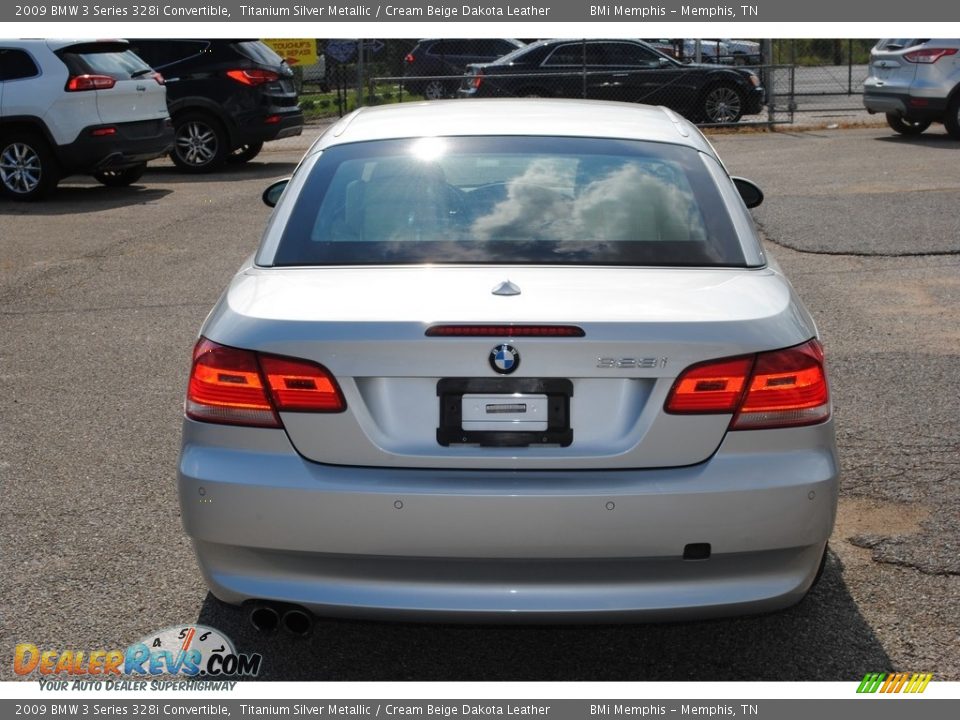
(915, 83)
(77, 107)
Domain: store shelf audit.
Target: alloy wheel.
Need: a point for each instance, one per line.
(20, 168)
(197, 143)
(434, 90)
(722, 105)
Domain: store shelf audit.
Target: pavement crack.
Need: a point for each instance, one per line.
(854, 254)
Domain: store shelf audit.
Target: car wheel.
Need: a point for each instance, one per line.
(28, 170)
(434, 90)
(200, 143)
(906, 127)
(121, 178)
(245, 153)
(722, 104)
(952, 120)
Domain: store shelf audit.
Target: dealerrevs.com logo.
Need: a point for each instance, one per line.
(894, 682)
(187, 650)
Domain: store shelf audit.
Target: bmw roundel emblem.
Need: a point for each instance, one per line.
(504, 359)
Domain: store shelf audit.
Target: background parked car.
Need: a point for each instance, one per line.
(742, 52)
(624, 70)
(915, 83)
(226, 98)
(316, 74)
(70, 107)
(450, 57)
(685, 50)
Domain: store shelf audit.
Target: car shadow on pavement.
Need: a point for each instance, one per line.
(74, 199)
(230, 173)
(823, 638)
(927, 139)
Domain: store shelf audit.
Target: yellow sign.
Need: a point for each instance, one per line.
(295, 51)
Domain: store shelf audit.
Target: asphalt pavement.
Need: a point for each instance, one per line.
(102, 292)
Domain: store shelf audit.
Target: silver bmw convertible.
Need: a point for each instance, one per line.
(509, 360)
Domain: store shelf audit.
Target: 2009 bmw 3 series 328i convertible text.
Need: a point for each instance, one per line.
(510, 359)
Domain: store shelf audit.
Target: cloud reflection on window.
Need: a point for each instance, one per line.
(614, 201)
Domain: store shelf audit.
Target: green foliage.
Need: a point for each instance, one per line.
(322, 105)
(821, 51)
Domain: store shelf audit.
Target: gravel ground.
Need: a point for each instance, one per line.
(864, 223)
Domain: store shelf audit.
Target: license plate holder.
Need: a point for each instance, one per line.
(452, 430)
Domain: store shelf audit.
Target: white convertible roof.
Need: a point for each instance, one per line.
(527, 116)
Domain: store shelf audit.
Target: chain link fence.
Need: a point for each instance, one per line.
(828, 76)
(801, 77)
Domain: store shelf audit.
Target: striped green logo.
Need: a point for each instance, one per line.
(894, 682)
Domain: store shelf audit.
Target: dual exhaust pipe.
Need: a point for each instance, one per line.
(267, 617)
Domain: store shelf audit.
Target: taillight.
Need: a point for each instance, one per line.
(159, 78)
(253, 77)
(409, 58)
(241, 387)
(711, 387)
(787, 387)
(226, 387)
(781, 388)
(477, 80)
(103, 132)
(301, 386)
(928, 55)
(77, 83)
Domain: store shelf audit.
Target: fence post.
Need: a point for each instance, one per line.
(360, 102)
(850, 67)
(766, 54)
(583, 68)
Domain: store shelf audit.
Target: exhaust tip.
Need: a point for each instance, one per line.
(297, 622)
(264, 618)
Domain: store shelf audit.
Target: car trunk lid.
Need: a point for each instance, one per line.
(409, 394)
(889, 70)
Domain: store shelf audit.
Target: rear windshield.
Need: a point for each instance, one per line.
(509, 200)
(898, 43)
(114, 59)
(258, 52)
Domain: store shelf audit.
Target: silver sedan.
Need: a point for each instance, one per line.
(509, 360)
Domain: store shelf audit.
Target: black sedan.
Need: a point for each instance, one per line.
(623, 70)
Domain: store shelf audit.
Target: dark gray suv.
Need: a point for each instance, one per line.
(441, 62)
(915, 83)
(226, 98)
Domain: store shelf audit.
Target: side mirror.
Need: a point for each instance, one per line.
(273, 192)
(751, 194)
(663, 62)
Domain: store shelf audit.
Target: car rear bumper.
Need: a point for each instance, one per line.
(904, 104)
(585, 545)
(256, 128)
(131, 144)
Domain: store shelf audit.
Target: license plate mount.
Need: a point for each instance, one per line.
(453, 429)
